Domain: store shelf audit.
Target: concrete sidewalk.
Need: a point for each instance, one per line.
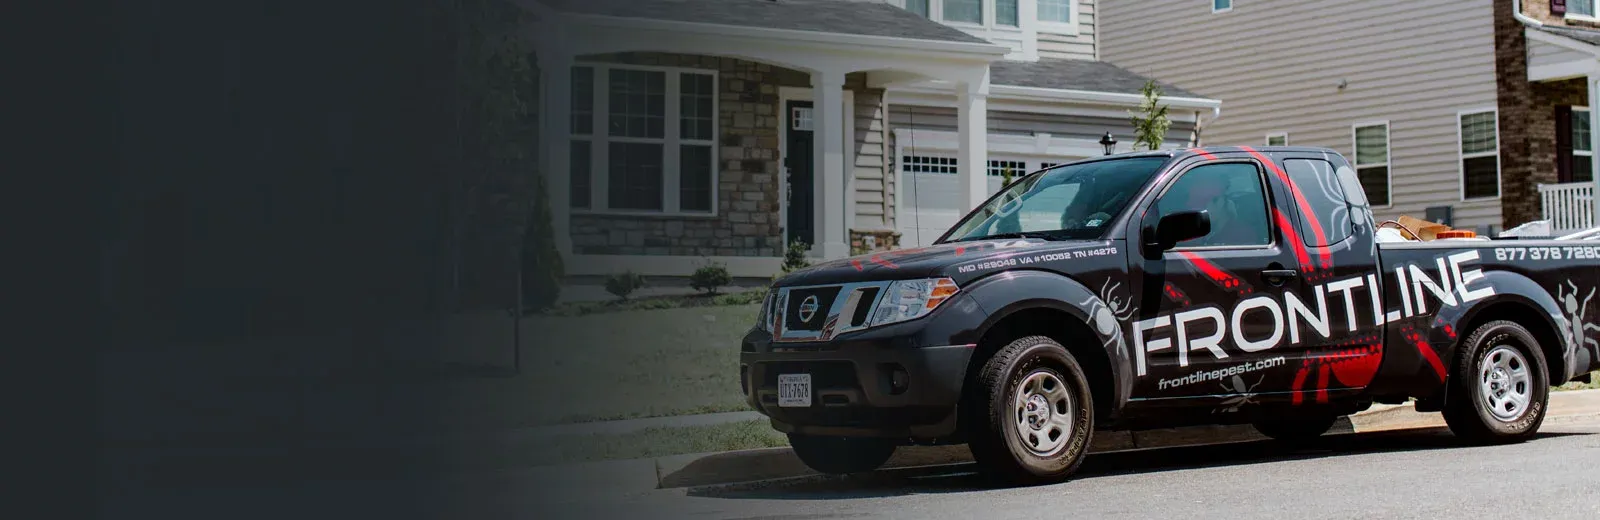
(746, 466)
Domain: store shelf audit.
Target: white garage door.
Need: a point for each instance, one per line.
(933, 201)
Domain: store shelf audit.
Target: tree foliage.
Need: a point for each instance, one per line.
(1150, 124)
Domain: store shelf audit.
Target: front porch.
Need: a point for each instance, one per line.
(1563, 68)
(681, 142)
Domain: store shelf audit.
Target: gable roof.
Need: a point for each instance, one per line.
(859, 17)
(1062, 74)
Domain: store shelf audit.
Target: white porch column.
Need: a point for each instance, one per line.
(828, 120)
(555, 76)
(972, 129)
(1592, 82)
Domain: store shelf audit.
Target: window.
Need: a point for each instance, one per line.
(929, 164)
(1005, 13)
(1582, 146)
(969, 11)
(1056, 11)
(1235, 196)
(1330, 208)
(1372, 161)
(1480, 156)
(643, 139)
(1018, 168)
(918, 6)
(1278, 139)
(1071, 202)
(1221, 6)
(1580, 8)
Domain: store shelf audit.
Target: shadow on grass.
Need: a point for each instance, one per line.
(958, 478)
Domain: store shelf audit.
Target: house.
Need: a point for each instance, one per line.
(1548, 55)
(1406, 90)
(1477, 118)
(725, 129)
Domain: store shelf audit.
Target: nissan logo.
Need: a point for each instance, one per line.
(808, 308)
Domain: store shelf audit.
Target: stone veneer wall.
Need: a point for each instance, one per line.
(747, 222)
(1527, 117)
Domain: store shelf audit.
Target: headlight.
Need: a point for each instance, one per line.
(912, 299)
(766, 318)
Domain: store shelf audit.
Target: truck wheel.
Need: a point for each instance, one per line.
(841, 455)
(1035, 413)
(1295, 429)
(1498, 389)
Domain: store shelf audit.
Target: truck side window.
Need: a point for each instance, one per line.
(1235, 196)
(1330, 201)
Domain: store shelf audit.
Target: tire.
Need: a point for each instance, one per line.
(841, 455)
(1297, 429)
(1499, 360)
(1034, 367)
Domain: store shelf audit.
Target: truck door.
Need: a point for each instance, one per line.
(1211, 322)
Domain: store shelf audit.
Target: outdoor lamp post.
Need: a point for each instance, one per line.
(1109, 142)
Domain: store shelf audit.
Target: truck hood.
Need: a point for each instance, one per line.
(925, 262)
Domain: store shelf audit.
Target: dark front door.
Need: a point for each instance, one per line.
(799, 164)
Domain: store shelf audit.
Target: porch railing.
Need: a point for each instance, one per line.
(1569, 206)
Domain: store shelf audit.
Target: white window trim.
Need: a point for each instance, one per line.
(1461, 157)
(1214, 9)
(1579, 17)
(1575, 150)
(599, 156)
(1388, 155)
(1070, 27)
(1284, 135)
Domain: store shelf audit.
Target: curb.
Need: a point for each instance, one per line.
(770, 464)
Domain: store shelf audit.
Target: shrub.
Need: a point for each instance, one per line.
(794, 258)
(710, 277)
(623, 284)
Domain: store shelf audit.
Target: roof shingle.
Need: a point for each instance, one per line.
(1582, 35)
(1096, 76)
(858, 17)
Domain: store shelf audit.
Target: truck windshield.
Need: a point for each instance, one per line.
(1074, 201)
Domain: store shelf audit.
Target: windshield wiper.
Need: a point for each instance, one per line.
(1042, 235)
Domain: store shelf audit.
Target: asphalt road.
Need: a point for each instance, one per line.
(1412, 474)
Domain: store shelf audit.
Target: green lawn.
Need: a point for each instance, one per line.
(637, 363)
(1594, 382)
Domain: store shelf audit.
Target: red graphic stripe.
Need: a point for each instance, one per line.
(1204, 154)
(1432, 357)
(1216, 274)
(856, 262)
(1299, 198)
(1299, 248)
(876, 259)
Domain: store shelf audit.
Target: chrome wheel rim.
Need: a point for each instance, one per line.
(1044, 413)
(1505, 383)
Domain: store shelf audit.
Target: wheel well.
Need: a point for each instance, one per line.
(1063, 327)
(1531, 319)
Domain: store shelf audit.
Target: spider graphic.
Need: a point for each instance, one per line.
(1577, 336)
(1108, 310)
(1245, 394)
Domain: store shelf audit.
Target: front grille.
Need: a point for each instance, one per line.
(809, 303)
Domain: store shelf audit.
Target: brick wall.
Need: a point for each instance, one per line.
(1527, 117)
(747, 222)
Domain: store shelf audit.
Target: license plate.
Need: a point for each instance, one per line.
(794, 390)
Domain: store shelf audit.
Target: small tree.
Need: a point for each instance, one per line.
(1006, 175)
(1150, 124)
(794, 258)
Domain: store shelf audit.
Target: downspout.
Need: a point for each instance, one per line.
(1516, 12)
(1199, 123)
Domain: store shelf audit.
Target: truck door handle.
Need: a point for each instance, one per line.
(1278, 276)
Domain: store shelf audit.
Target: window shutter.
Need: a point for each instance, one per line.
(1558, 7)
(1563, 143)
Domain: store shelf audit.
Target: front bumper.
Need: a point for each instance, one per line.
(854, 387)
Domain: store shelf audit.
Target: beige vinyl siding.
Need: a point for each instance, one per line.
(874, 187)
(1276, 67)
(1068, 46)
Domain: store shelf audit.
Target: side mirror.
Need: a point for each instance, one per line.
(1177, 227)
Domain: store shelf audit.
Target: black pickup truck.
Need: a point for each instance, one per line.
(1221, 285)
